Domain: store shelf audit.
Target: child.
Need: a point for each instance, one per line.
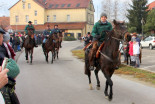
(8, 91)
(136, 52)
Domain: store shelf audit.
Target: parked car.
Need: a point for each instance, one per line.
(148, 42)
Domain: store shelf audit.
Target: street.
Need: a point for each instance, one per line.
(64, 82)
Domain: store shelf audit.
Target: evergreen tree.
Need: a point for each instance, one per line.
(150, 22)
(136, 13)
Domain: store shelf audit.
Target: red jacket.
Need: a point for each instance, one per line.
(131, 48)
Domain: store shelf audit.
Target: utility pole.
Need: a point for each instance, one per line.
(142, 21)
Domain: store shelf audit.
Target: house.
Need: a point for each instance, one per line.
(73, 16)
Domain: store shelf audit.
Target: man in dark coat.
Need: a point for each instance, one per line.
(55, 30)
(88, 38)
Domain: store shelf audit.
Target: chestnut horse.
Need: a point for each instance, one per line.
(50, 46)
(108, 59)
(29, 44)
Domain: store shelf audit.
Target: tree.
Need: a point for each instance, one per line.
(136, 13)
(150, 22)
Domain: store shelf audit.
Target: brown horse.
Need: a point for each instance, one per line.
(50, 46)
(57, 45)
(60, 38)
(29, 45)
(108, 59)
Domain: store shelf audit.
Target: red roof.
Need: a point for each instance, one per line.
(5, 21)
(59, 4)
(66, 26)
(151, 5)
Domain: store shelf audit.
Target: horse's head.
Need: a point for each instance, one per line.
(127, 37)
(119, 28)
(30, 31)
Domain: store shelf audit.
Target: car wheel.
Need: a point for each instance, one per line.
(150, 46)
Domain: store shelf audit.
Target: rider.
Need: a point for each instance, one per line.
(46, 34)
(98, 32)
(88, 38)
(55, 30)
(30, 26)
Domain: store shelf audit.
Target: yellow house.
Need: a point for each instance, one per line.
(73, 16)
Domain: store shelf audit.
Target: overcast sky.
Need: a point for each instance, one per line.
(6, 4)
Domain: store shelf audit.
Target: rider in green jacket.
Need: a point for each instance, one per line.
(30, 26)
(99, 32)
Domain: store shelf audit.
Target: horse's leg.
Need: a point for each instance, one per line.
(27, 58)
(57, 53)
(31, 55)
(127, 59)
(52, 57)
(47, 57)
(109, 82)
(97, 78)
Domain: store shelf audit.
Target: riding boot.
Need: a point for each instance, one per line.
(35, 45)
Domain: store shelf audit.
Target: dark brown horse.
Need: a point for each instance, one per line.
(50, 46)
(108, 59)
(29, 45)
(60, 38)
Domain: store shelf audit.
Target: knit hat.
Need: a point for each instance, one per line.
(6, 37)
(103, 14)
(13, 68)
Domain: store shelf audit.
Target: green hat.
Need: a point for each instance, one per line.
(13, 68)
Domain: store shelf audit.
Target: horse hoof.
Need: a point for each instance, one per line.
(27, 61)
(106, 97)
(91, 88)
(98, 88)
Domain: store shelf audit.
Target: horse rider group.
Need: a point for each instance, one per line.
(46, 33)
(49, 32)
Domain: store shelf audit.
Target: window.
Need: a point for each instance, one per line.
(17, 19)
(62, 5)
(48, 18)
(23, 5)
(29, 5)
(68, 5)
(68, 18)
(56, 5)
(27, 18)
(35, 22)
(54, 18)
(35, 13)
(78, 5)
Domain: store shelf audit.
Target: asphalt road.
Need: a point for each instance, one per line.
(64, 82)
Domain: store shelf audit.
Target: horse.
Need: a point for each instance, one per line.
(57, 45)
(50, 46)
(29, 44)
(108, 59)
(60, 38)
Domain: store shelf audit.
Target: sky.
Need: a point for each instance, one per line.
(6, 4)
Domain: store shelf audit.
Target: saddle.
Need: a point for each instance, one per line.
(87, 46)
(99, 49)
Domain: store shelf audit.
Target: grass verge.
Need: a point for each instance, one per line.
(140, 74)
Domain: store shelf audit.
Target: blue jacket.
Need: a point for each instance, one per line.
(47, 32)
(55, 31)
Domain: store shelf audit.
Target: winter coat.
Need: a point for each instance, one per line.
(131, 48)
(29, 26)
(100, 29)
(3, 53)
(8, 92)
(55, 31)
(136, 48)
(47, 32)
